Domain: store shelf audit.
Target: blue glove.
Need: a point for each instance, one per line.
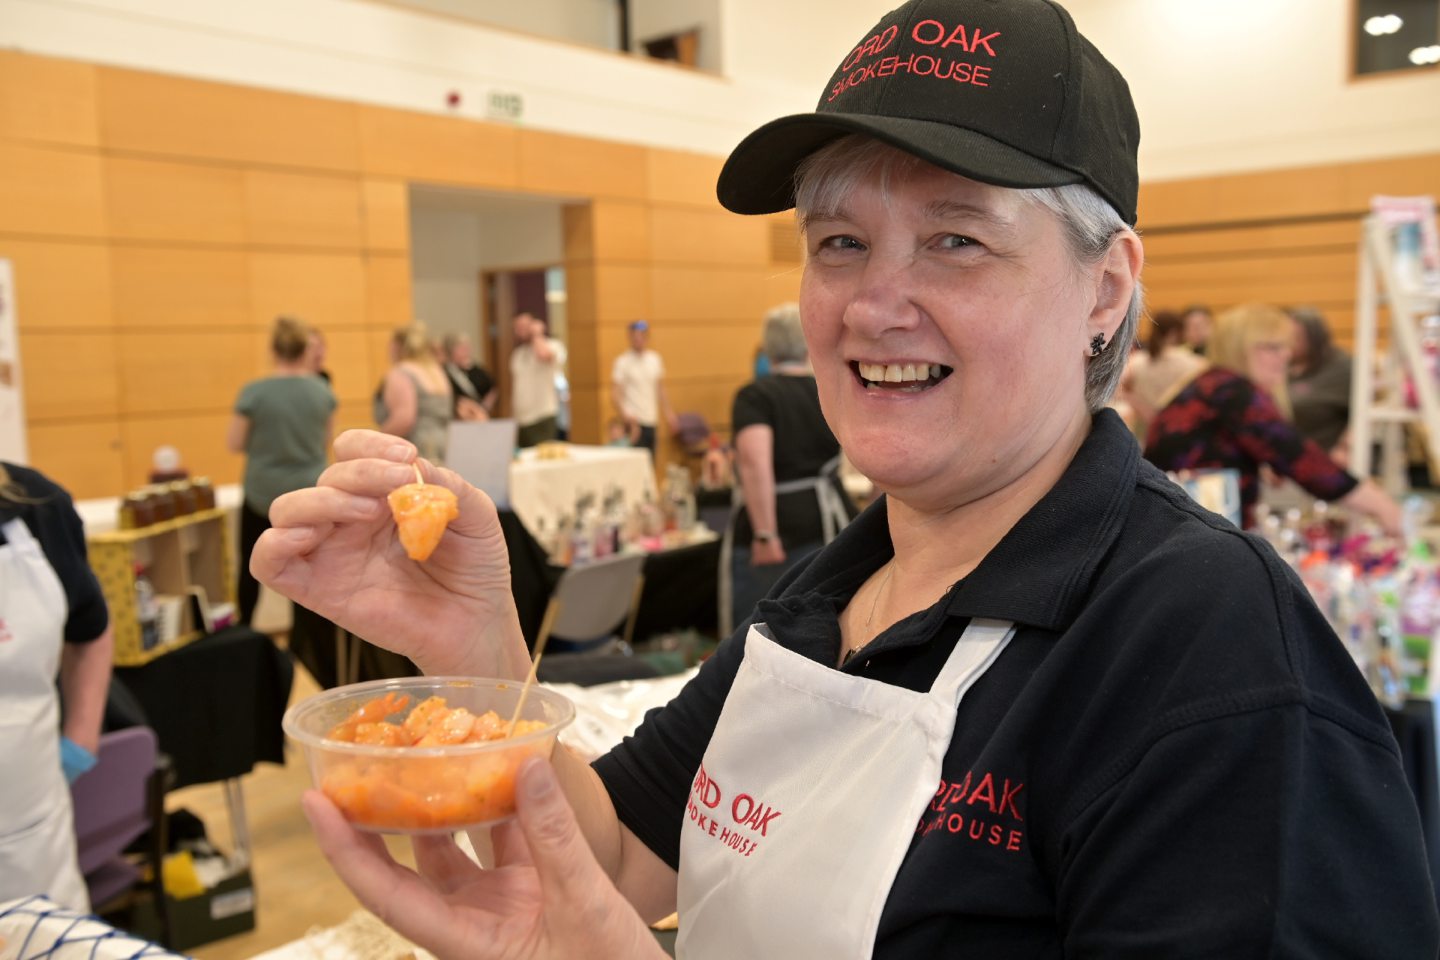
(74, 758)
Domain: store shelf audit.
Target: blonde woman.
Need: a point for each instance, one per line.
(53, 623)
(417, 396)
(1236, 415)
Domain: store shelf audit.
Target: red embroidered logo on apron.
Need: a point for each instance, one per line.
(708, 810)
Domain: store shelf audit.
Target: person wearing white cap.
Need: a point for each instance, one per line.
(1033, 702)
(637, 388)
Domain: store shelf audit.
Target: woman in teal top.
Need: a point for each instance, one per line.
(283, 424)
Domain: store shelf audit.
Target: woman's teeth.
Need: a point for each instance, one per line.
(913, 375)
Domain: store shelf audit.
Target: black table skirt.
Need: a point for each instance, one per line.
(215, 704)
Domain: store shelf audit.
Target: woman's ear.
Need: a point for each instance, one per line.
(1115, 276)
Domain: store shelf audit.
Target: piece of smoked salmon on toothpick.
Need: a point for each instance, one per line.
(422, 511)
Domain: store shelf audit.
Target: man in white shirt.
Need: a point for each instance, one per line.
(638, 388)
(534, 401)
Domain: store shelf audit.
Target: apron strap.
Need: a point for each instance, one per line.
(978, 647)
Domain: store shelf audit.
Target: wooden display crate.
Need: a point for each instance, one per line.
(181, 554)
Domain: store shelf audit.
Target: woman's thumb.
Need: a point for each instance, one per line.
(562, 858)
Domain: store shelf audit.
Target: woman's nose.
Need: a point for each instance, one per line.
(881, 302)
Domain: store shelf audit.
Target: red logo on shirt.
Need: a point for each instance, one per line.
(984, 809)
(5, 633)
(708, 810)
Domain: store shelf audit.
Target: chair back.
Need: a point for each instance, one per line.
(113, 806)
(594, 598)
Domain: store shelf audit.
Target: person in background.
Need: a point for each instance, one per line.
(637, 388)
(417, 396)
(1160, 370)
(282, 423)
(1197, 320)
(315, 356)
(1319, 383)
(470, 383)
(1034, 702)
(1235, 415)
(53, 623)
(787, 462)
(378, 411)
(535, 364)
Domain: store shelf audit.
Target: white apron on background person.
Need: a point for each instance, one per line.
(37, 826)
(807, 799)
(833, 518)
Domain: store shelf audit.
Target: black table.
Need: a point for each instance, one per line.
(215, 704)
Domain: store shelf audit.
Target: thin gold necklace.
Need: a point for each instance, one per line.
(874, 605)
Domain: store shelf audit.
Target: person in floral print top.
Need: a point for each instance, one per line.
(1235, 415)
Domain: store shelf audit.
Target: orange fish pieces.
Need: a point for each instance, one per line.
(422, 511)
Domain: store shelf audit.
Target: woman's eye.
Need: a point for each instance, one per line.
(954, 241)
(839, 242)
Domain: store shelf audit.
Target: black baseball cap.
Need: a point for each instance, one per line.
(1006, 92)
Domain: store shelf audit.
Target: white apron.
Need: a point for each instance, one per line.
(807, 799)
(37, 826)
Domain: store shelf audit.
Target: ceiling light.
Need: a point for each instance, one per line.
(1423, 56)
(1380, 26)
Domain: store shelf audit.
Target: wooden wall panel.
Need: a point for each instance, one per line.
(1336, 235)
(60, 285)
(386, 214)
(707, 350)
(324, 290)
(83, 456)
(187, 371)
(303, 210)
(711, 396)
(674, 176)
(780, 287)
(353, 415)
(50, 191)
(69, 375)
(689, 293)
(606, 230)
(1397, 176)
(180, 287)
(49, 100)
(200, 438)
(620, 292)
(165, 201)
(353, 374)
(387, 293)
(421, 147)
(155, 113)
(579, 166)
(679, 235)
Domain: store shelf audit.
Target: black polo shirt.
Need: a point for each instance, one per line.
(1174, 756)
(50, 515)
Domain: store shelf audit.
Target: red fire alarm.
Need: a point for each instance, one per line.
(452, 99)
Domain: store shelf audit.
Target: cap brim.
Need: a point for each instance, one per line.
(759, 176)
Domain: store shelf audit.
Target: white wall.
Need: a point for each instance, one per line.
(1223, 85)
(454, 235)
(594, 23)
(650, 19)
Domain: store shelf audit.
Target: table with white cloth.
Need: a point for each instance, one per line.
(542, 491)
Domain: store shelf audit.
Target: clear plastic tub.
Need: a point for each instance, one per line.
(424, 789)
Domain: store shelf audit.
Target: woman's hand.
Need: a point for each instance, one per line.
(546, 897)
(333, 549)
(766, 553)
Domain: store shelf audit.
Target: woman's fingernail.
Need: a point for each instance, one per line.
(539, 779)
(401, 452)
(296, 534)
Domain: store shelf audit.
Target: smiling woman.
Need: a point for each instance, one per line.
(970, 724)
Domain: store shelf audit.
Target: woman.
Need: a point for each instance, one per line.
(1159, 371)
(789, 502)
(472, 386)
(53, 623)
(1319, 385)
(956, 731)
(417, 397)
(282, 424)
(1235, 416)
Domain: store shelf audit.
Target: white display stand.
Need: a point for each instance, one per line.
(12, 399)
(1378, 411)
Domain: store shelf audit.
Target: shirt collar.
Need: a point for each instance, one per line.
(1039, 574)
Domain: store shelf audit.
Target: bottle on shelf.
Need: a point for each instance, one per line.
(147, 610)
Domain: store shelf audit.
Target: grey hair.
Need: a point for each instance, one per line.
(826, 178)
(783, 339)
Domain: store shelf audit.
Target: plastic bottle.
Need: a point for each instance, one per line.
(147, 611)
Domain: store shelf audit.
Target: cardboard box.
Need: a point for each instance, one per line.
(221, 911)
